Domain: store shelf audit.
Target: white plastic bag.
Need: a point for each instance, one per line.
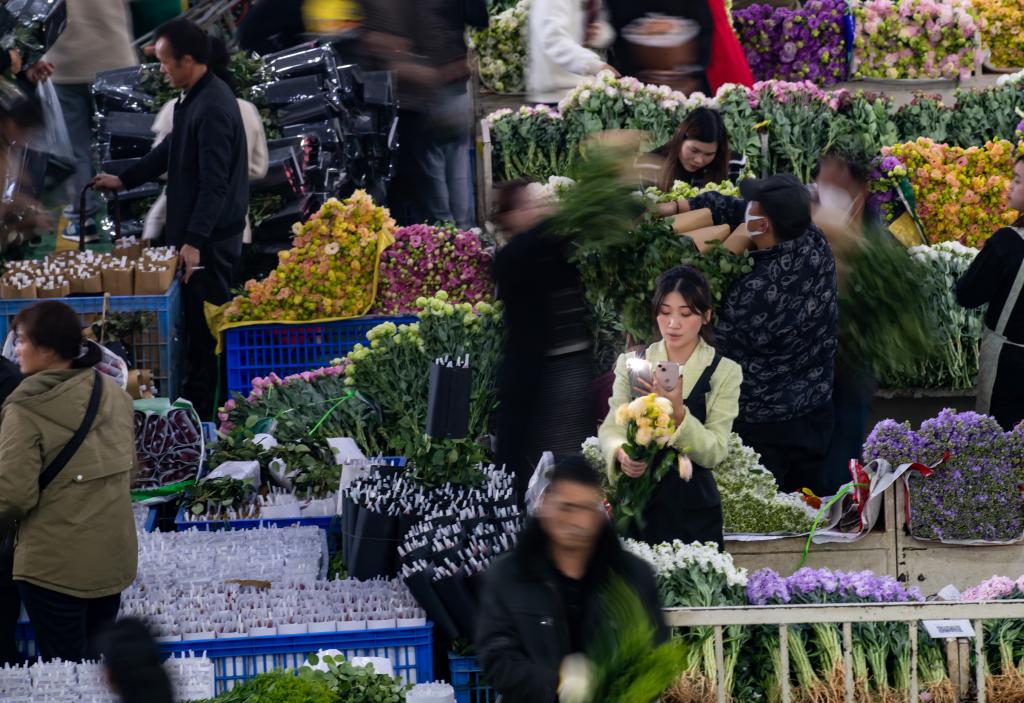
(111, 364)
(539, 482)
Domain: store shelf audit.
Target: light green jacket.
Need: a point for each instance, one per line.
(706, 443)
(77, 537)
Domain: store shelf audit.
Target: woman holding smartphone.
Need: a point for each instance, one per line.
(704, 389)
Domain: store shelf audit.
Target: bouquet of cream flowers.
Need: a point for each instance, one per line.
(649, 427)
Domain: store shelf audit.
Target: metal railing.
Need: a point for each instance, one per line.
(846, 614)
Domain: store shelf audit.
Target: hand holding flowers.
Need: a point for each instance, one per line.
(649, 427)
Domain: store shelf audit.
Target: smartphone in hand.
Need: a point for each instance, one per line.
(639, 369)
(667, 374)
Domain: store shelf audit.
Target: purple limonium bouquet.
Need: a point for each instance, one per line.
(974, 494)
(794, 45)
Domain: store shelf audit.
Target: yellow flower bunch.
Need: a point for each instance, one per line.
(1002, 31)
(961, 194)
(648, 419)
(329, 272)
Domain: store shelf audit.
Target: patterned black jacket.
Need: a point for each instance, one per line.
(779, 322)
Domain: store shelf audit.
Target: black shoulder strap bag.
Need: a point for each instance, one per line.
(61, 460)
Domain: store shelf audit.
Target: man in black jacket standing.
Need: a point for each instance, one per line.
(543, 602)
(206, 162)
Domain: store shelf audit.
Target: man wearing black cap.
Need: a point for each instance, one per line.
(779, 323)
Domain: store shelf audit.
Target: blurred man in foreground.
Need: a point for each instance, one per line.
(543, 602)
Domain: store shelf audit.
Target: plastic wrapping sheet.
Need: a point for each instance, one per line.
(118, 90)
(285, 92)
(277, 229)
(39, 23)
(317, 60)
(315, 109)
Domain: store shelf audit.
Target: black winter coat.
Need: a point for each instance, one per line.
(522, 630)
(207, 165)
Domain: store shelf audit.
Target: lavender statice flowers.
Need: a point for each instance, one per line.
(973, 494)
(786, 44)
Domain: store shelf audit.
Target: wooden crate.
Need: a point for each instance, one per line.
(932, 565)
(875, 552)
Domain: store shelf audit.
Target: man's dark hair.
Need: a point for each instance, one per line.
(186, 39)
(575, 469)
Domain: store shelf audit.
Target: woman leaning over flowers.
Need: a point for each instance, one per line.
(996, 278)
(705, 402)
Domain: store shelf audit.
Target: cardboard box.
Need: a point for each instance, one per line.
(10, 293)
(86, 285)
(132, 251)
(119, 281)
(702, 238)
(154, 282)
(693, 220)
(61, 290)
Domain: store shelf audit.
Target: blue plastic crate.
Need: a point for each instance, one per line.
(157, 348)
(255, 351)
(468, 682)
(410, 650)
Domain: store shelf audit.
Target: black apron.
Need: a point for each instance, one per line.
(690, 511)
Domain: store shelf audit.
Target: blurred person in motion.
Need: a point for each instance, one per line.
(542, 602)
(67, 456)
(133, 663)
(705, 402)
(425, 44)
(207, 166)
(98, 38)
(546, 370)
(996, 278)
(842, 213)
(275, 25)
(255, 139)
(780, 323)
(564, 39)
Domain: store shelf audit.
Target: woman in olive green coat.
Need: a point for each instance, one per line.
(76, 548)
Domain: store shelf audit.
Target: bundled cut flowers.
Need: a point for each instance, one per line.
(501, 48)
(960, 194)
(649, 426)
(1003, 639)
(881, 651)
(794, 44)
(751, 500)
(971, 493)
(426, 259)
(1002, 31)
(915, 39)
(330, 271)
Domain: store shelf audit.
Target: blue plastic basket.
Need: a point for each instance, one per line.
(326, 522)
(254, 351)
(157, 348)
(410, 650)
(467, 681)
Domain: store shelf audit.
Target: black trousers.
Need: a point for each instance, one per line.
(65, 626)
(10, 610)
(220, 260)
(793, 450)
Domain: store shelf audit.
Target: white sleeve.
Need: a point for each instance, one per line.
(256, 140)
(558, 40)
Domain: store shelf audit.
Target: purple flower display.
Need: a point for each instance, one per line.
(974, 494)
(794, 45)
(767, 587)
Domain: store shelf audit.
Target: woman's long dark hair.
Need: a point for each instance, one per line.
(132, 658)
(53, 325)
(702, 125)
(691, 284)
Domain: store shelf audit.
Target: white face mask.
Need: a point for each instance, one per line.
(748, 218)
(836, 200)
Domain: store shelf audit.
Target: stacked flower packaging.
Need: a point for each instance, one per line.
(330, 128)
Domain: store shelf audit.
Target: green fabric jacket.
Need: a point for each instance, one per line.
(78, 536)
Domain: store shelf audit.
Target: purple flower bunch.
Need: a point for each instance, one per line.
(425, 259)
(767, 587)
(974, 494)
(803, 44)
